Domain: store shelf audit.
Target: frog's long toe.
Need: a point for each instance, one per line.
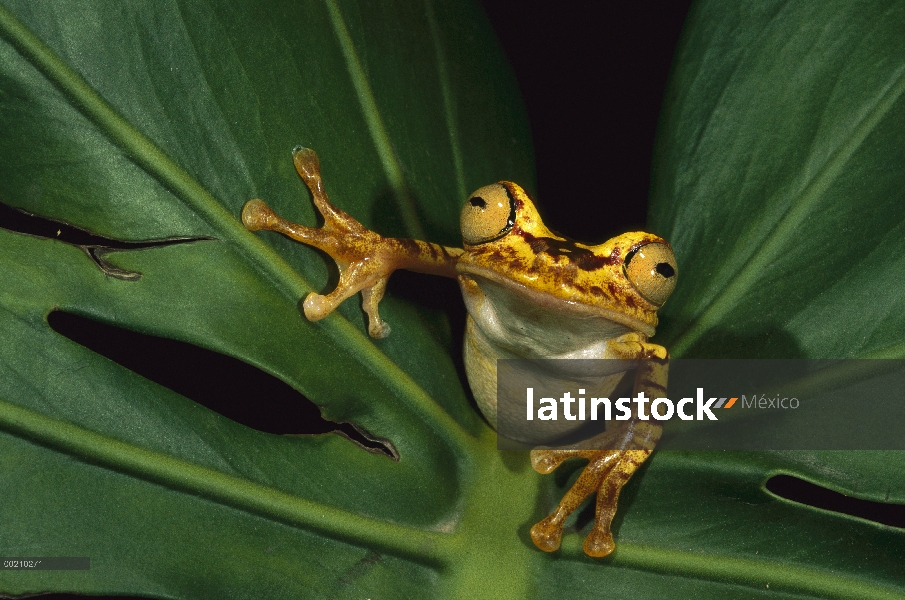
(370, 298)
(547, 534)
(599, 543)
(316, 307)
(546, 461)
(256, 215)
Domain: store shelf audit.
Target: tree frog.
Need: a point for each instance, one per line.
(529, 294)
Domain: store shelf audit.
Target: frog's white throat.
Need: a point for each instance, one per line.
(506, 296)
(507, 320)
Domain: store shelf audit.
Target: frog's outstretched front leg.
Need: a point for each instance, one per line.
(612, 456)
(365, 259)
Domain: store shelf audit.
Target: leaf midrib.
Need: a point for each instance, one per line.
(252, 247)
(425, 547)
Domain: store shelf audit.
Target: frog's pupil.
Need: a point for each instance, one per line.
(478, 202)
(665, 269)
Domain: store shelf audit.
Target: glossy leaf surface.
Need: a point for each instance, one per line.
(146, 121)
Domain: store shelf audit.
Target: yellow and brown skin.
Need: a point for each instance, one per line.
(531, 255)
(505, 241)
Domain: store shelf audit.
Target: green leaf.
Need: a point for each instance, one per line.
(780, 182)
(142, 121)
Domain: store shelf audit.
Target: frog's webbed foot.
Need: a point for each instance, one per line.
(365, 259)
(613, 456)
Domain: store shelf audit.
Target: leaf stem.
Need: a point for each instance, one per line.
(426, 547)
(228, 227)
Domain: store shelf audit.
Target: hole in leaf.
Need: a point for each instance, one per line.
(97, 247)
(805, 492)
(226, 385)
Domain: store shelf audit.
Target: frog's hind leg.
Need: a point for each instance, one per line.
(613, 456)
(607, 471)
(547, 534)
(599, 541)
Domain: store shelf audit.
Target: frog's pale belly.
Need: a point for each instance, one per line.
(502, 325)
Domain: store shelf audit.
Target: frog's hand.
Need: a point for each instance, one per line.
(620, 452)
(365, 259)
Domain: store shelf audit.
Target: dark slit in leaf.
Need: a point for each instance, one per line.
(805, 492)
(97, 247)
(226, 385)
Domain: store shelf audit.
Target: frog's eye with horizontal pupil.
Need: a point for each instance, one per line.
(488, 215)
(652, 270)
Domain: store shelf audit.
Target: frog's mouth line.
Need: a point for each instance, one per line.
(551, 302)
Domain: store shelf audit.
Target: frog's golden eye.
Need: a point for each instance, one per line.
(652, 270)
(488, 214)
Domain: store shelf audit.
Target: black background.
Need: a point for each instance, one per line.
(593, 77)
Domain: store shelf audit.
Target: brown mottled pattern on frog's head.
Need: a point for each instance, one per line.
(533, 256)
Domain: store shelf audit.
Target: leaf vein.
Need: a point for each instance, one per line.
(229, 228)
(175, 473)
(448, 103)
(376, 127)
(799, 209)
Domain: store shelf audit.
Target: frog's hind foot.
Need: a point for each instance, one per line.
(547, 534)
(607, 471)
